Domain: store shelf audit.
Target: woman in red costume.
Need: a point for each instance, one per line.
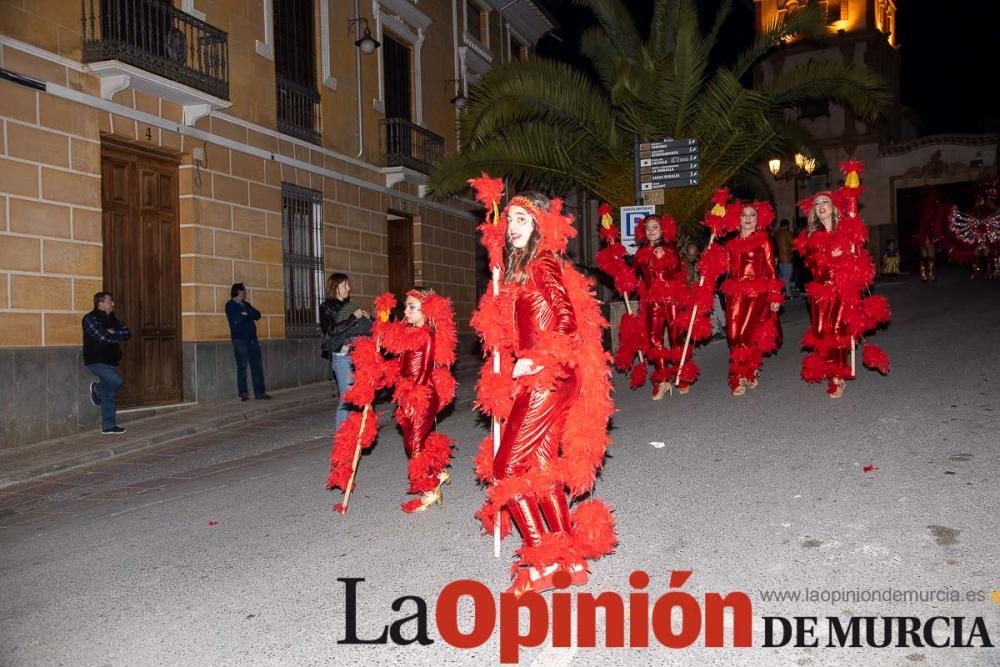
(421, 374)
(424, 386)
(664, 294)
(552, 396)
(753, 297)
(833, 248)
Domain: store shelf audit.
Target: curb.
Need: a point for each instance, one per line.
(30, 474)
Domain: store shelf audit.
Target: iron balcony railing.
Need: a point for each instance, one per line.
(405, 144)
(298, 110)
(155, 36)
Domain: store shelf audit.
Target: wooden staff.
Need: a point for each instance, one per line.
(496, 422)
(357, 456)
(854, 369)
(357, 449)
(694, 314)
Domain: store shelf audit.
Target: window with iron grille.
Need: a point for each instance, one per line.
(302, 245)
(295, 69)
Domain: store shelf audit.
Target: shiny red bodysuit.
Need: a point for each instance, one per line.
(750, 288)
(531, 435)
(418, 402)
(663, 291)
(827, 331)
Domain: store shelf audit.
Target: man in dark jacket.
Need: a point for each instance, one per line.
(242, 319)
(102, 338)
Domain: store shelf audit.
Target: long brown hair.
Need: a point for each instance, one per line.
(333, 283)
(516, 260)
(813, 224)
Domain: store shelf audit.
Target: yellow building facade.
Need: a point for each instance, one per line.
(164, 151)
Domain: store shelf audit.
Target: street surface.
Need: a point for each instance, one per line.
(223, 549)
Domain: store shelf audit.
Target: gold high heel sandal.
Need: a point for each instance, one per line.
(662, 390)
(839, 391)
(435, 497)
(742, 389)
(444, 477)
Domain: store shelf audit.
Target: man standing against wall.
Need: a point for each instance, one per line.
(246, 348)
(102, 338)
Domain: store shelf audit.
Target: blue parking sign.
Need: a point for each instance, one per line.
(630, 216)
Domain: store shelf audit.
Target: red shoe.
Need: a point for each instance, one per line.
(522, 583)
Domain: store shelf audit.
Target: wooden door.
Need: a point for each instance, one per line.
(142, 269)
(400, 231)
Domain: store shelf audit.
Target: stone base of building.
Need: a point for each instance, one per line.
(44, 391)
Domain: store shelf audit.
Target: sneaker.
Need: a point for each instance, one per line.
(264, 397)
(93, 394)
(114, 430)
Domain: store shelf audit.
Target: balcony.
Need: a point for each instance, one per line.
(298, 110)
(157, 38)
(405, 144)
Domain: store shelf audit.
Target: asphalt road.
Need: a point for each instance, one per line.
(230, 554)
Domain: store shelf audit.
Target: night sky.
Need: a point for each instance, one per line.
(950, 54)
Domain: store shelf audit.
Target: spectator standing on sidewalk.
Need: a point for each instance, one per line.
(102, 338)
(786, 262)
(242, 319)
(341, 322)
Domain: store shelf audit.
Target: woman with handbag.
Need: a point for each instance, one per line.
(341, 324)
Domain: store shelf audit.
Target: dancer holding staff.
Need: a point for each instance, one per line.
(552, 396)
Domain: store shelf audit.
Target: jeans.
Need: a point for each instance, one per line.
(718, 316)
(248, 352)
(109, 380)
(343, 370)
(785, 271)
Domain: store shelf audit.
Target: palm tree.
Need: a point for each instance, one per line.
(546, 124)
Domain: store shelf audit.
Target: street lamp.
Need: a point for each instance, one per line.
(802, 165)
(460, 100)
(366, 42)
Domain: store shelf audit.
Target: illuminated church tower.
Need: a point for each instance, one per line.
(861, 32)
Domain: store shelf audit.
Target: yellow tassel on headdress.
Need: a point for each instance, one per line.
(852, 180)
(607, 221)
(719, 210)
(383, 316)
(496, 214)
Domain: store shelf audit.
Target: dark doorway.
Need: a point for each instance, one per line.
(400, 231)
(139, 200)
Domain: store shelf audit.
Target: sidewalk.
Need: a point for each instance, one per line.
(26, 464)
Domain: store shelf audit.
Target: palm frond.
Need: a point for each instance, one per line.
(662, 29)
(615, 18)
(859, 89)
(807, 23)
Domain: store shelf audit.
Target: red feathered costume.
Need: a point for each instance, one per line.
(423, 388)
(751, 287)
(553, 422)
(664, 305)
(842, 271)
(423, 385)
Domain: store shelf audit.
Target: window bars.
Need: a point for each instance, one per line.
(302, 247)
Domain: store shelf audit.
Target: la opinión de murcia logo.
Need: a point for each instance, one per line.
(630, 620)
